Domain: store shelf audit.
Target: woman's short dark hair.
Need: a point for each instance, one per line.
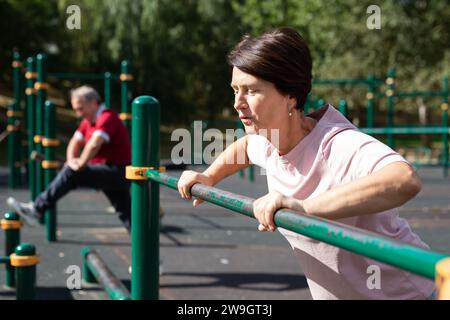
(281, 57)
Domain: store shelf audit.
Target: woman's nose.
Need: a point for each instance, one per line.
(239, 102)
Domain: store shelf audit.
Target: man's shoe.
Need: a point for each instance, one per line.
(26, 210)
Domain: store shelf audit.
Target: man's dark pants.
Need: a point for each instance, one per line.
(108, 178)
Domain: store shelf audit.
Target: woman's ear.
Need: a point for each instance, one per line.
(292, 103)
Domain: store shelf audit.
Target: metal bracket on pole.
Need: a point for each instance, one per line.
(138, 173)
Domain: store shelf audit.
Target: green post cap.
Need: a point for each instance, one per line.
(107, 74)
(11, 216)
(25, 249)
(16, 55)
(125, 63)
(85, 251)
(145, 100)
(41, 56)
(48, 103)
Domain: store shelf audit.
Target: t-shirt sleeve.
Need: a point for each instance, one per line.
(80, 133)
(106, 126)
(354, 153)
(258, 150)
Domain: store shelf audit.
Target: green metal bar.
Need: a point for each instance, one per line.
(26, 275)
(101, 273)
(414, 94)
(80, 76)
(145, 195)
(50, 173)
(24, 131)
(31, 114)
(125, 93)
(12, 240)
(414, 259)
(343, 108)
(370, 100)
(320, 103)
(251, 173)
(88, 276)
(390, 81)
(406, 130)
(40, 102)
(107, 91)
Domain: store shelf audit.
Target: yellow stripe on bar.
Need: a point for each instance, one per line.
(14, 113)
(10, 224)
(23, 261)
(443, 279)
(30, 91)
(47, 142)
(444, 106)
(126, 77)
(37, 139)
(16, 64)
(389, 80)
(389, 93)
(125, 116)
(11, 128)
(30, 75)
(41, 86)
(51, 164)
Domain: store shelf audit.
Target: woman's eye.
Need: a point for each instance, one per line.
(250, 91)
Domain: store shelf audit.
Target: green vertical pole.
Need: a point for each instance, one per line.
(370, 100)
(107, 90)
(31, 115)
(390, 82)
(320, 103)
(343, 108)
(88, 276)
(444, 108)
(49, 143)
(14, 147)
(25, 271)
(125, 79)
(251, 173)
(41, 86)
(145, 201)
(24, 132)
(11, 224)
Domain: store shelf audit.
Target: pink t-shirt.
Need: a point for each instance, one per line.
(335, 152)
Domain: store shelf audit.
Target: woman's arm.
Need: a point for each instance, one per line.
(388, 188)
(231, 160)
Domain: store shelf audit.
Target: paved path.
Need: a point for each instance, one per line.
(207, 252)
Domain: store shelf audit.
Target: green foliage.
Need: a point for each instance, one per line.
(178, 48)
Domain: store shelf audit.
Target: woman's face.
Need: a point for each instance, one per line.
(258, 103)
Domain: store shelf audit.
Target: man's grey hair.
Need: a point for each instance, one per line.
(86, 92)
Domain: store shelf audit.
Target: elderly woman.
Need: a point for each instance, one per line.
(317, 164)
